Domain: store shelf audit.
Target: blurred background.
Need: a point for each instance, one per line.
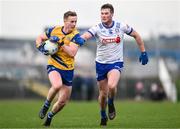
(23, 69)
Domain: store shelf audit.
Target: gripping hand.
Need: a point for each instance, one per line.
(56, 39)
(41, 49)
(143, 58)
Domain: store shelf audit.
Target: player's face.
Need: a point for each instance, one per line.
(70, 22)
(106, 16)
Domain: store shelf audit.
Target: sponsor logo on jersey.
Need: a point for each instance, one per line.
(111, 40)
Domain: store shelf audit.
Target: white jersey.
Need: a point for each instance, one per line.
(110, 41)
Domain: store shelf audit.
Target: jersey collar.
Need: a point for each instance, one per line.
(64, 32)
(107, 27)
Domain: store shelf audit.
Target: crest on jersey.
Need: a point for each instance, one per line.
(117, 30)
(110, 31)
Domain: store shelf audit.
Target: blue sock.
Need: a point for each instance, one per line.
(103, 114)
(110, 101)
(47, 103)
(50, 114)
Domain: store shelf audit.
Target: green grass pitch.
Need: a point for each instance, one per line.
(130, 114)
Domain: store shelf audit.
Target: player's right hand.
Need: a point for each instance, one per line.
(42, 50)
(54, 39)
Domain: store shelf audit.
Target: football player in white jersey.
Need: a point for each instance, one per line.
(109, 35)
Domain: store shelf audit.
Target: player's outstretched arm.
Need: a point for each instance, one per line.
(86, 36)
(143, 57)
(139, 40)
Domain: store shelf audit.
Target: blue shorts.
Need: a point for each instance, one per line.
(103, 69)
(66, 75)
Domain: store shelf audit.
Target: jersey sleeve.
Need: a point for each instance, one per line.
(126, 28)
(93, 30)
(78, 40)
(48, 31)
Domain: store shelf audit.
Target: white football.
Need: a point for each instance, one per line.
(51, 47)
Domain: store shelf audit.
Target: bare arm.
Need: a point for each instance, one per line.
(70, 49)
(143, 57)
(139, 40)
(86, 36)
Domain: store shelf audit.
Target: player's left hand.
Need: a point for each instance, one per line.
(143, 58)
(41, 49)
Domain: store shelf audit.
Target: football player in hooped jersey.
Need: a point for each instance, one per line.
(109, 57)
(60, 65)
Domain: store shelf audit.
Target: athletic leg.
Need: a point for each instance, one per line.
(103, 94)
(56, 82)
(64, 95)
(113, 79)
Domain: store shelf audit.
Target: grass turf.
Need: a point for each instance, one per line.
(130, 114)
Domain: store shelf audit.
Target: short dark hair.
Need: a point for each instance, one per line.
(69, 13)
(109, 6)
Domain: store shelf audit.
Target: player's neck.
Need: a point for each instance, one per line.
(108, 24)
(65, 30)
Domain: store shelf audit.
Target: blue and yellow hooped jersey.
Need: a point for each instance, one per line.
(61, 59)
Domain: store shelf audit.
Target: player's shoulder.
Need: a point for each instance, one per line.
(99, 25)
(119, 24)
(57, 27)
(53, 28)
(124, 27)
(75, 31)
